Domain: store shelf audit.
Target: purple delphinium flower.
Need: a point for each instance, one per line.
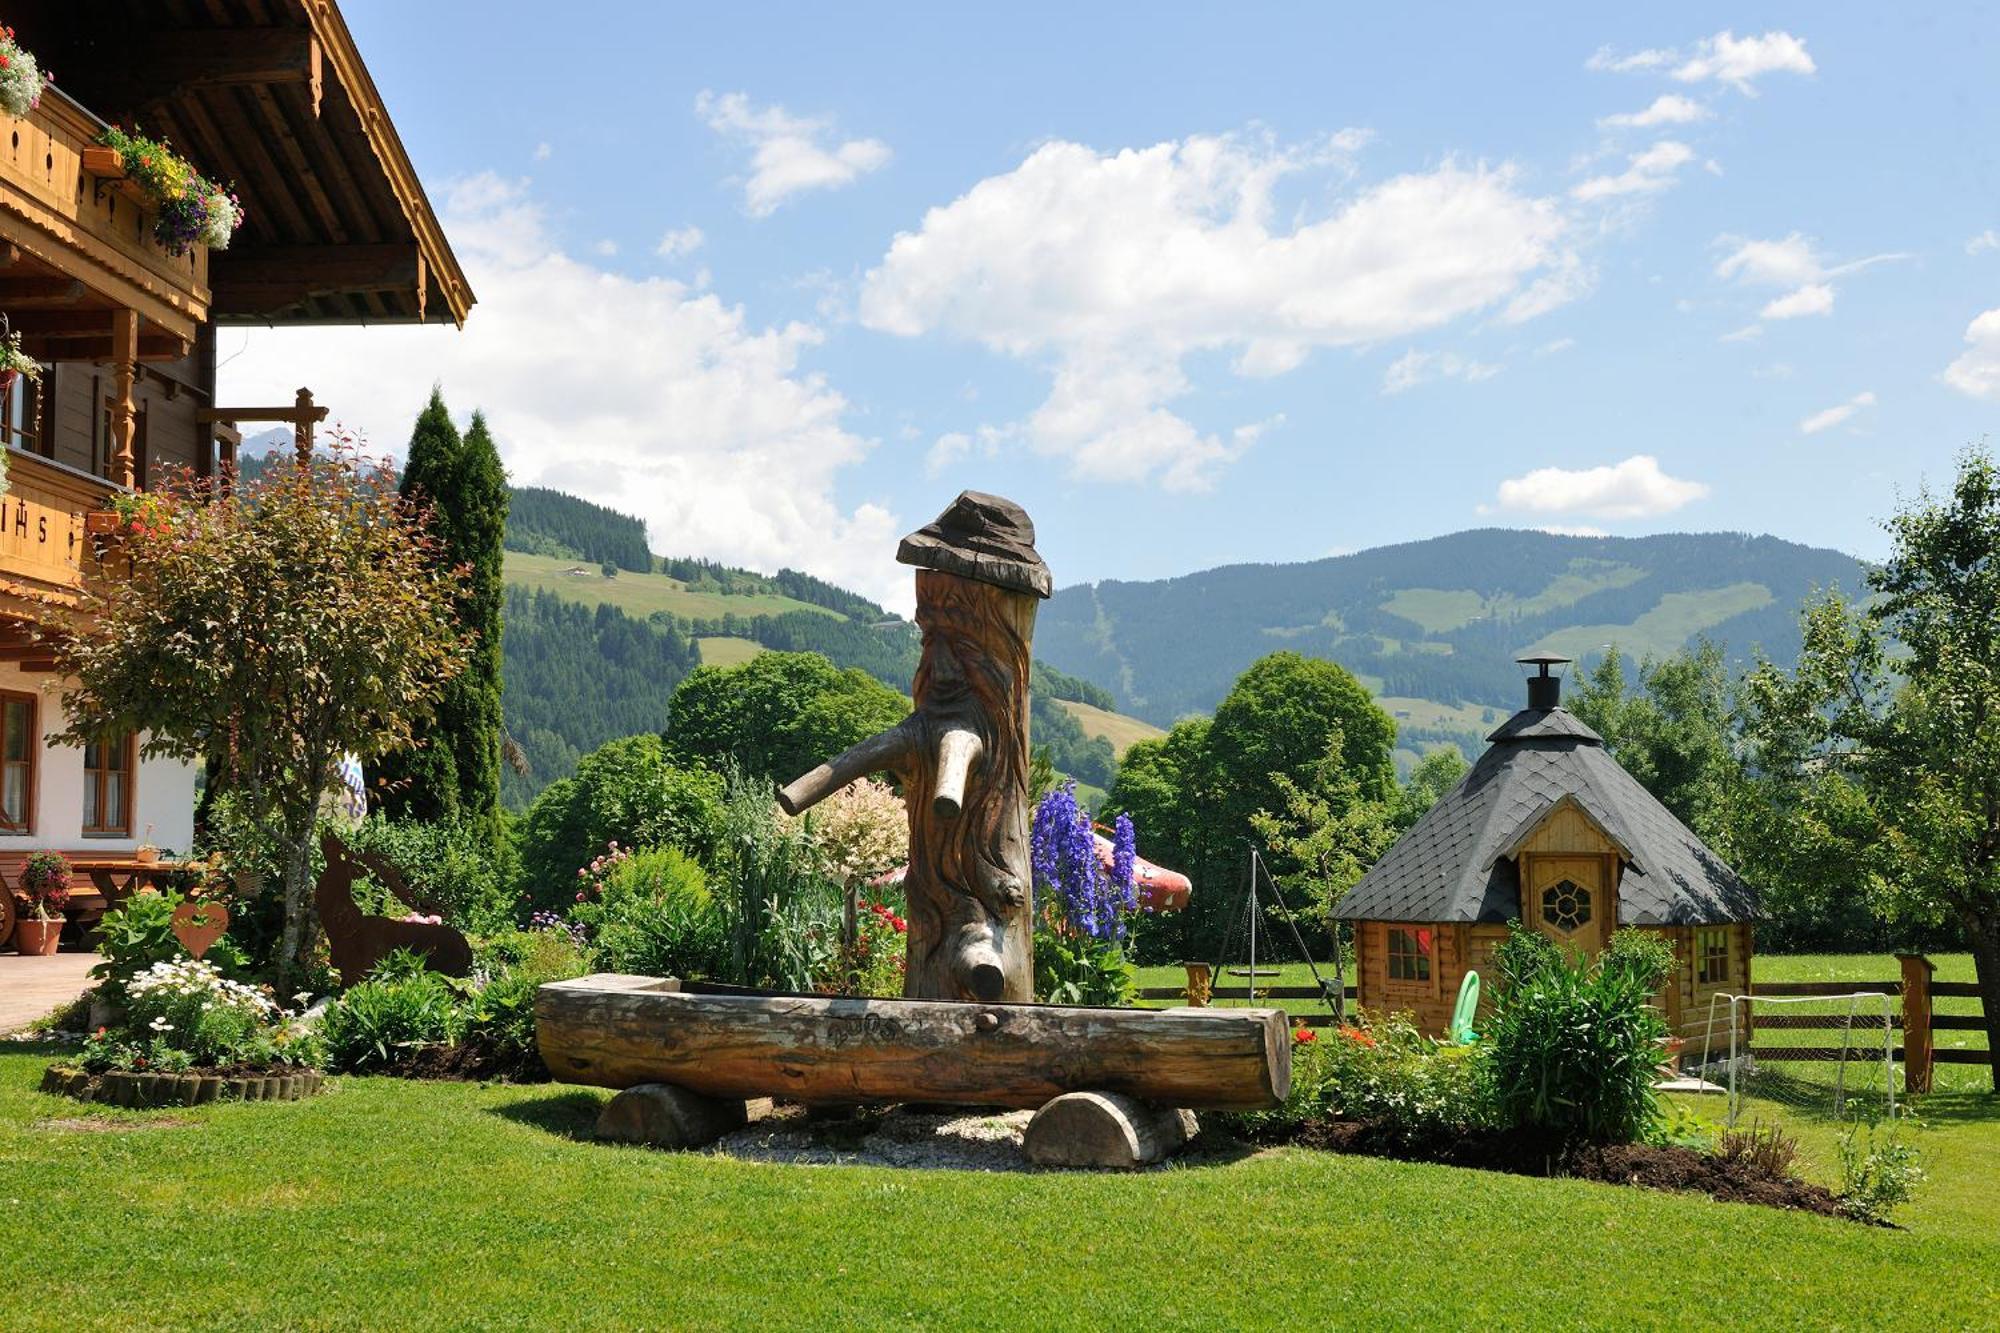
(1063, 850)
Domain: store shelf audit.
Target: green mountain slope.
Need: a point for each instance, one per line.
(1435, 625)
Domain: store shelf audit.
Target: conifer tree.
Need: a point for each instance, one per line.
(422, 781)
(477, 530)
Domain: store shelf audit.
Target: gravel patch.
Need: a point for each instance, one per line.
(948, 1141)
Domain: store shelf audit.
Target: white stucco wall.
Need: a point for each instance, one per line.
(163, 791)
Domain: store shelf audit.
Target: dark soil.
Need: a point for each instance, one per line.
(466, 1063)
(1526, 1154)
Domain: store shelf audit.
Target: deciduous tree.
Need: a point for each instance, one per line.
(269, 631)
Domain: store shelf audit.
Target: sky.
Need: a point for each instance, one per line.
(1194, 284)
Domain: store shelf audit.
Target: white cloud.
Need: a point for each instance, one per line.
(1635, 488)
(606, 247)
(678, 241)
(1815, 298)
(1793, 262)
(1646, 172)
(1984, 241)
(1414, 367)
(724, 445)
(788, 154)
(1977, 370)
(544, 151)
(1667, 109)
(1748, 333)
(1828, 418)
(1113, 268)
(1739, 61)
(1556, 345)
(1724, 58)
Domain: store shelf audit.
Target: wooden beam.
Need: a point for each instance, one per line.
(621, 1031)
(170, 66)
(39, 293)
(275, 278)
(102, 347)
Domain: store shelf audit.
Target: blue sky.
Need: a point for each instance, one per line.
(1195, 285)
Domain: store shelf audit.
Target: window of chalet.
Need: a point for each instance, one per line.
(1410, 953)
(107, 788)
(1711, 952)
(19, 742)
(20, 415)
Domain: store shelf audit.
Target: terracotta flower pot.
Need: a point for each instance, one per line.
(145, 856)
(37, 939)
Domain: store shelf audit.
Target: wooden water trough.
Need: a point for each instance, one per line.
(1131, 1073)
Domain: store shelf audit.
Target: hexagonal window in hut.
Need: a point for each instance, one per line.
(1566, 905)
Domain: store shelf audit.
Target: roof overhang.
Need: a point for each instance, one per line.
(273, 96)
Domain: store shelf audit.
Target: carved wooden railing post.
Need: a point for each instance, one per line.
(962, 754)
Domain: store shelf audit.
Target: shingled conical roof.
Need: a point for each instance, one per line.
(1457, 863)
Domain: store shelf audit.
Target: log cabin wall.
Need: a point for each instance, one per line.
(1429, 1004)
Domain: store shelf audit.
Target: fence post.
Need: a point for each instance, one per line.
(1199, 983)
(1917, 971)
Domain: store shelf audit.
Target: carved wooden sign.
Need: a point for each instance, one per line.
(962, 754)
(198, 925)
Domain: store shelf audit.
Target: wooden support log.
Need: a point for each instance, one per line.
(619, 1031)
(664, 1116)
(1105, 1130)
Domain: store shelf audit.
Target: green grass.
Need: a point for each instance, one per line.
(727, 650)
(1117, 728)
(393, 1204)
(1664, 629)
(1441, 610)
(639, 594)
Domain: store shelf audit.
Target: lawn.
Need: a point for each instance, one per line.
(392, 1203)
(389, 1203)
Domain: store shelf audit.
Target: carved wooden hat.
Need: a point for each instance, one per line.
(984, 537)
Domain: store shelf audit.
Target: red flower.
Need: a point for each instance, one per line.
(1357, 1036)
(1304, 1036)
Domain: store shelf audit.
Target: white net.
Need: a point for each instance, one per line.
(1820, 1056)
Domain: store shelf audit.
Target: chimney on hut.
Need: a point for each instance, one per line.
(1544, 688)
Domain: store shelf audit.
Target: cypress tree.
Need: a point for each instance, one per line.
(479, 500)
(422, 782)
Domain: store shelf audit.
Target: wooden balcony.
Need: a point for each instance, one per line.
(45, 554)
(74, 244)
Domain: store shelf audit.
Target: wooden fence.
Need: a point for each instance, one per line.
(1917, 1021)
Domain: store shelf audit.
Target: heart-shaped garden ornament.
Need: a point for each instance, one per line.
(198, 925)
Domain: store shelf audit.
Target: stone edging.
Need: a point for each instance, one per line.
(120, 1088)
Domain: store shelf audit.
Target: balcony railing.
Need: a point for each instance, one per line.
(45, 553)
(97, 220)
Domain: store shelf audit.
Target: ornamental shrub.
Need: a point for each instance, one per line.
(1381, 1072)
(399, 1009)
(1574, 1047)
(1877, 1177)
(139, 932)
(188, 1007)
(500, 1013)
(453, 865)
(626, 792)
(651, 913)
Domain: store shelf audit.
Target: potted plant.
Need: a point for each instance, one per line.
(15, 363)
(189, 209)
(21, 79)
(43, 894)
(147, 852)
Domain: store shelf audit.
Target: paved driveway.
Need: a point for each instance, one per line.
(31, 987)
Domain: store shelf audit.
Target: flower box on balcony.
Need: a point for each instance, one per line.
(103, 523)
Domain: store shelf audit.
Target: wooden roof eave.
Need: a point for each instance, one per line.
(439, 266)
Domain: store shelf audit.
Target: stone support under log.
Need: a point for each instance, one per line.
(1106, 1130)
(661, 1115)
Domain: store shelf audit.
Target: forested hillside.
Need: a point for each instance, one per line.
(1433, 626)
(546, 522)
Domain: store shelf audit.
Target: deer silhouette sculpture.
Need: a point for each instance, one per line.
(359, 940)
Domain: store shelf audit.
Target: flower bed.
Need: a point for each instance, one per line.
(193, 1087)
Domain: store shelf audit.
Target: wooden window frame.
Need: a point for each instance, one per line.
(1426, 984)
(93, 777)
(33, 762)
(1703, 935)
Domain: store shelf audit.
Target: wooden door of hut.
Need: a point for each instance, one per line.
(1569, 898)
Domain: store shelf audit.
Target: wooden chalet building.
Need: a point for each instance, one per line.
(270, 95)
(1546, 828)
